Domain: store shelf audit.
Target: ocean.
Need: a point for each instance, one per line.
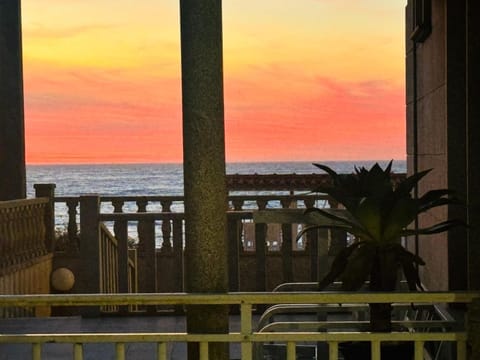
(152, 179)
(159, 179)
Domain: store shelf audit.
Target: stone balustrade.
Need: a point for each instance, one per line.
(135, 244)
(261, 255)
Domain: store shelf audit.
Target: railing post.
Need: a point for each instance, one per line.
(261, 250)
(72, 228)
(48, 191)
(147, 253)
(166, 227)
(286, 249)
(178, 260)
(312, 246)
(233, 252)
(178, 254)
(338, 239)
(120, 229)
(89, 248)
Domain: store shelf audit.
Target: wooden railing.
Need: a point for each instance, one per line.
(25, 258)
(108, 264)
(110, 267)
(132, 275)
(22, 231)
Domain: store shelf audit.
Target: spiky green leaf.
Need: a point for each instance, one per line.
(434, 229)
(359, 267)
(338, 266)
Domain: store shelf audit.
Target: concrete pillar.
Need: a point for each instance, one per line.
(12, 143)
(204, 166)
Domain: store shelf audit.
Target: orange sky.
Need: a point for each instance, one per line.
(304, 80)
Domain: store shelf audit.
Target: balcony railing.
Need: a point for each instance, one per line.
(24, 251)
(247, 336)
(260, 255)
(22, 231)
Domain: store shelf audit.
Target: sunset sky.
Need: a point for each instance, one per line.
(312, 80)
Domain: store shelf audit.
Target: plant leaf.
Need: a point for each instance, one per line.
(435, 229)
(327, 169)
(398, 217)
(359, 267)
(384, 278)
(313, 227)
(407, 185)
(369, 216)
(410, 263)
(338, 266)
(424, 206)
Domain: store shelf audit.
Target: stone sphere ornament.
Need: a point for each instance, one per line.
(62, 279)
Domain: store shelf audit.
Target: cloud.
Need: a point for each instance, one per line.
(274, 112)
(44, 32)
(74, 115)
(321, 118)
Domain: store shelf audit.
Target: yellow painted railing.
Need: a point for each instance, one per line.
(247, 336)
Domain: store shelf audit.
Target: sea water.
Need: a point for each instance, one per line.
(159, 179)
(153, 180)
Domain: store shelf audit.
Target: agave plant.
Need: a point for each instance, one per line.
(378, 214)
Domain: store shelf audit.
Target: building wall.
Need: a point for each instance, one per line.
(428, 101)
(443, 131)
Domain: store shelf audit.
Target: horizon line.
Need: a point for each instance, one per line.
(227, 162)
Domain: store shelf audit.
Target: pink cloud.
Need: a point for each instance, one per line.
(104, 116)
(331, 119)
